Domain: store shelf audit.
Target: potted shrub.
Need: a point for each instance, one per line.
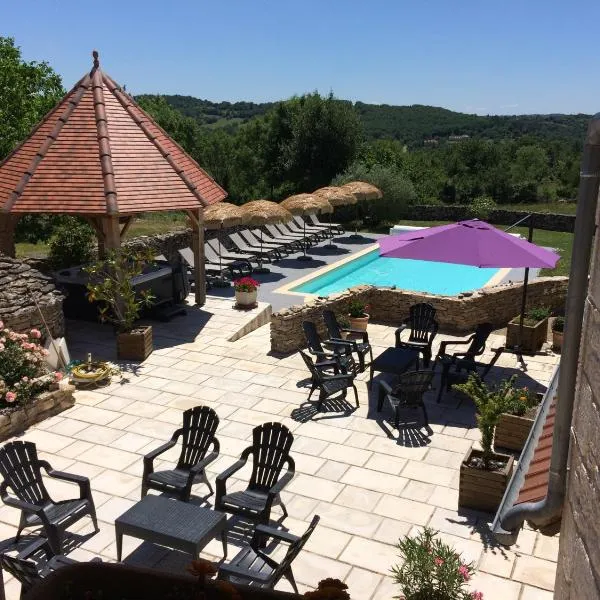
(514, 424)
(120, 304)
(432, 570)
(535, 330)
(358, 316)
(558, 326)
(246, 291)
(484, 474)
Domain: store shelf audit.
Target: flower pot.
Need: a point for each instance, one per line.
(482, 489)
(557, 340)
(135, 345)
(246, 298)
(512, 431)
(533, 338)
(359, 323)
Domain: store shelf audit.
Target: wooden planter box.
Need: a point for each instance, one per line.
(534, 337)
(136, 345)
(480, 489)
(512, 432)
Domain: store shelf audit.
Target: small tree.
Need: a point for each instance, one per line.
(111, 284)
(72, 243)
(490, 403)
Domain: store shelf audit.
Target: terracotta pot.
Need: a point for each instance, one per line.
(481, 489)
(534, 336)
(246, 298)
(135, 345)
(359, 323)
(557, 340)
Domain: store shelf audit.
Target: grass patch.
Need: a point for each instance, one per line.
(26, 250)
(561, 208)
(155, 223)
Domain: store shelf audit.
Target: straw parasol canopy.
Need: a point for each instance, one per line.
(336, 196)
(264, 212)
(363, 190)
(305, 204)
(222, 215)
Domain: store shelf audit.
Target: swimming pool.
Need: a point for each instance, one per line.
(415, 275)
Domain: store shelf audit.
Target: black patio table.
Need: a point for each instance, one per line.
(179, 525)
(395, 361)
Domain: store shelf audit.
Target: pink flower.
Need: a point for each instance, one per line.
(438, 561)
(464, 571)
(36, 333)
(477, 595)
(1, 324)
(58, 375)
(10, 396)
(45, 352)
(25, 378)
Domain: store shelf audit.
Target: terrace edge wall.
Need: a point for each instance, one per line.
(456, 314)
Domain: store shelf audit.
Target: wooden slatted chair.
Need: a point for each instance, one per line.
(361, 349)
(197, 438)
(271, 443)
(423, 329)
(251, 566)
(337, 350)
(21, 469)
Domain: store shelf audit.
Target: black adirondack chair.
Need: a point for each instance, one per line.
(423, 329)
(251, 566)
(21, 469)
(198, 437)
(457, 366)
(407, 393)
(32, 564)
(330, 378)
(338, 351)
(271, 443)
(361, 349)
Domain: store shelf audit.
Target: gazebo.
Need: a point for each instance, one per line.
(98, 155)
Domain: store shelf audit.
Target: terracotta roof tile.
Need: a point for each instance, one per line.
(98, 152)
(535, 484)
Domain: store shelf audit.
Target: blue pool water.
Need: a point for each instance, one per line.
(415, 275)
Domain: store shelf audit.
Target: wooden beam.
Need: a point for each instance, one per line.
(8, 223)
(196, 217)
(112, 232)
(128, 222)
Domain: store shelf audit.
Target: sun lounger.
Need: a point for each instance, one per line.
(287, 229)
(255, 242)
(228, 254)
(334, 226)
(294, 228)
(264, 254)
(277, 233)
(321, 232)
(291, 245)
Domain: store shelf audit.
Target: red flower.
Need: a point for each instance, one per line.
(246, 284)
(464, 571)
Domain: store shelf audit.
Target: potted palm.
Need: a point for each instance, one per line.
(246, 291)
(484, 474)
(358, 315)
(558, 327)
(535, 330)
(120, 303)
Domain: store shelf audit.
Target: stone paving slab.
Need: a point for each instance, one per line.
(369, 483)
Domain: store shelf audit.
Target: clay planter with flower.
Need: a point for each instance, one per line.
(246, 291)
(515, 423)
(558, 326)
(358, 315)
(111, 285)
(484, 474)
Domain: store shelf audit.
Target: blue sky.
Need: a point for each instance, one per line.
(514, 56)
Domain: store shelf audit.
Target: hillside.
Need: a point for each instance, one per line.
(409, 124)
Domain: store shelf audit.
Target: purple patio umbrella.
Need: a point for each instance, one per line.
(471, 242)
(474, 243)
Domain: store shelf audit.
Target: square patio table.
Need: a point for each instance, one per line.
(395, 361)
(178, 525)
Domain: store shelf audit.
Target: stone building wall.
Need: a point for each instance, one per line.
(578, 574)
(455, 314)
(20, 285)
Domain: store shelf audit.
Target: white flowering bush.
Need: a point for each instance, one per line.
(23, 370)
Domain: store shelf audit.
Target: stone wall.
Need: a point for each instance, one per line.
(451, 212)
(455, 314)
(17, 420)
(578, 574)
(20, 285)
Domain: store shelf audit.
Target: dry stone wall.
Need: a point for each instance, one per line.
(20, 285)
(455, 314)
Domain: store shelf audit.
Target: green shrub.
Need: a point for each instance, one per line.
(558, 325)
(71, 244)
(481, 207)
(536, 314)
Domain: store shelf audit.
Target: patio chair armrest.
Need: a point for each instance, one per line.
(398, 333)
(337, 343)
(149, 458)
(202, 464)
(277, 534)
(85, 489)
(341, 376)
(363, 334)
(284, 480)
(235, 571)
(221, 479)
(443, 345)
(327, 363)
(26, 506)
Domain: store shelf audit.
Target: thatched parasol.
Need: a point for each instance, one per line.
(219, 216)
(264, 212)
(362, 191)
(336, 196)
(306, 204)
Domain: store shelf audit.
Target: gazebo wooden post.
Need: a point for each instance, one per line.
(8, 223)
(112, 232)
(197, 220)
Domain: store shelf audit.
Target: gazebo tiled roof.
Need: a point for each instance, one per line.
(98, 153)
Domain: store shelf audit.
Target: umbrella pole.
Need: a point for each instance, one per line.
(221, 280)
(305, 245)
(356, 235)
(331, 245)
(261, 269)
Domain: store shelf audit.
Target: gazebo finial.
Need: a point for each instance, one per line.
(96, 61)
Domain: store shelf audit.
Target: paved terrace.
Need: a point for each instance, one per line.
(369, 486)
